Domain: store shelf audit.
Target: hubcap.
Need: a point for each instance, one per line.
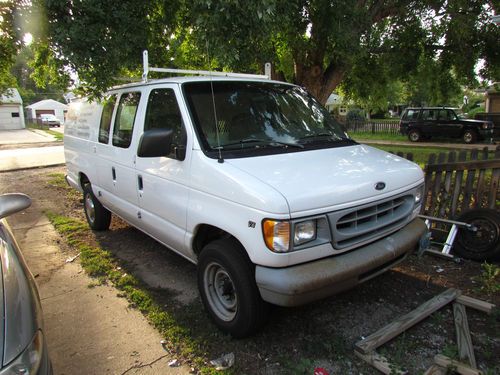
(468, 137)
(89, 208)
(220, 292)
(414, 136)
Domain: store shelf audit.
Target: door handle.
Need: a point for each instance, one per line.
(139, 183)
(113, 172)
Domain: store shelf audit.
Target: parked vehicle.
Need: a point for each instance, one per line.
(250, 179)
(22, 341)
(50, 120)
(427, 122)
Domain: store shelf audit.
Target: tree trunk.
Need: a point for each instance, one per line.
(319, 82)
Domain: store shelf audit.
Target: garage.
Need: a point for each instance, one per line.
(11, 111)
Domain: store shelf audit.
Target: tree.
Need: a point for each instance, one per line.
(327, 41)
(7, 45)
(315, 43)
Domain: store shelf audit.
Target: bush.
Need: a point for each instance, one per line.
(355, 115)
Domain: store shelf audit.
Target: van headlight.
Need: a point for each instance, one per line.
(419, 195)
(282, 236)
(28, 362)
(304, 232)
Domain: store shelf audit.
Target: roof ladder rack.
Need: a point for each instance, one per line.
(147, 69)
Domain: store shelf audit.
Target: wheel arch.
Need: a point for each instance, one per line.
(206, 233)
(84, 180)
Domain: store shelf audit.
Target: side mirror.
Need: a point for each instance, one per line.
(155, 143)
(12, 203)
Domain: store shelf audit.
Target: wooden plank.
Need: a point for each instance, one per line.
(469, 183)
(436, 189)
(380, 363)
(458, 367)
(404, 322)
(478, 199)
(428, 182)
(447, 187)
(464, 340)
(465, 165)
(495, 177)
(477, 304)
(458, 186)
(436, 370)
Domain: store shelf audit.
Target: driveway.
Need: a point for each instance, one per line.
(25, 158)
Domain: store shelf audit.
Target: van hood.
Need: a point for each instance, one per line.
(334, 178)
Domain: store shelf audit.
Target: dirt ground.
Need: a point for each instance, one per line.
(297, 340)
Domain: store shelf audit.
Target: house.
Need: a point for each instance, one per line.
(48, 106)
(11, 110)
(333, 101)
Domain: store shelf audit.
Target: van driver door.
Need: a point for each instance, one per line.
(163, 181)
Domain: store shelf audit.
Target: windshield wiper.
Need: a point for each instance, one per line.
(331, 137)
(319, 135)
(265, 141)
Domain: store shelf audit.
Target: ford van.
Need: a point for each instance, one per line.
(250, 179)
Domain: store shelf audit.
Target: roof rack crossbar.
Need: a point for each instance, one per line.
(148, 69)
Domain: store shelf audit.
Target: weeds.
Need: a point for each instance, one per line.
(489, 279)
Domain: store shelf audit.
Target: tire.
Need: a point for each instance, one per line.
(414, 135)
(226, 281)
(96, 214)
(483, 244)
(469, 136)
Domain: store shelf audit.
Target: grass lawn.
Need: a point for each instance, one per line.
(378, 136)
(58, 136)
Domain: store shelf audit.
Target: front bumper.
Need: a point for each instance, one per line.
(303, 283)
(486, 133)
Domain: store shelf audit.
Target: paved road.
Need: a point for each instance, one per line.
(8, 137)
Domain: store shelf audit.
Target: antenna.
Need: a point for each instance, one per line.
(220, 160)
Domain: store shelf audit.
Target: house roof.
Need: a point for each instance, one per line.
(47, 104)
(11, 96)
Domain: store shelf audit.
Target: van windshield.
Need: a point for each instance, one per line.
(268, 117)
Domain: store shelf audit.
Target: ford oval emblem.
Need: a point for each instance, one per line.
(380, 185)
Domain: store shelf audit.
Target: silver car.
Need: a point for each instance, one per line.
(23, 348)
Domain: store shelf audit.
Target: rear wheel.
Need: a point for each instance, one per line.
(484, 242)
(226, 281)
(469, 136)
(414, 135)
(97, 215)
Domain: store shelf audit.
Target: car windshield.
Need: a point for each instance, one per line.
(260, 115)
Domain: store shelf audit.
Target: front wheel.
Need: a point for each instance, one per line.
(469, 136)
(414, 135)
(96, 214)
(226, 281)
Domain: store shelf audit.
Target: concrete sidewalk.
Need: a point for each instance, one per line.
(8, 137)
(24, 158)
(88, 330)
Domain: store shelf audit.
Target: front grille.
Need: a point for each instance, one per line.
(354, 226)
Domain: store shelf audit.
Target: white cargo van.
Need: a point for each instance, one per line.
(250, 179)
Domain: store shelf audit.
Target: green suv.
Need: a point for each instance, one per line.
(426, 122)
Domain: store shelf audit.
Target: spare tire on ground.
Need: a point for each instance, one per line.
(484, 242)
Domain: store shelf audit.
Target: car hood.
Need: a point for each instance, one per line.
(333, 178)
(21, 310)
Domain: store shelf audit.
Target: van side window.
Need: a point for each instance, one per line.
(125, 117)
(107, 113)
(163, 113)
